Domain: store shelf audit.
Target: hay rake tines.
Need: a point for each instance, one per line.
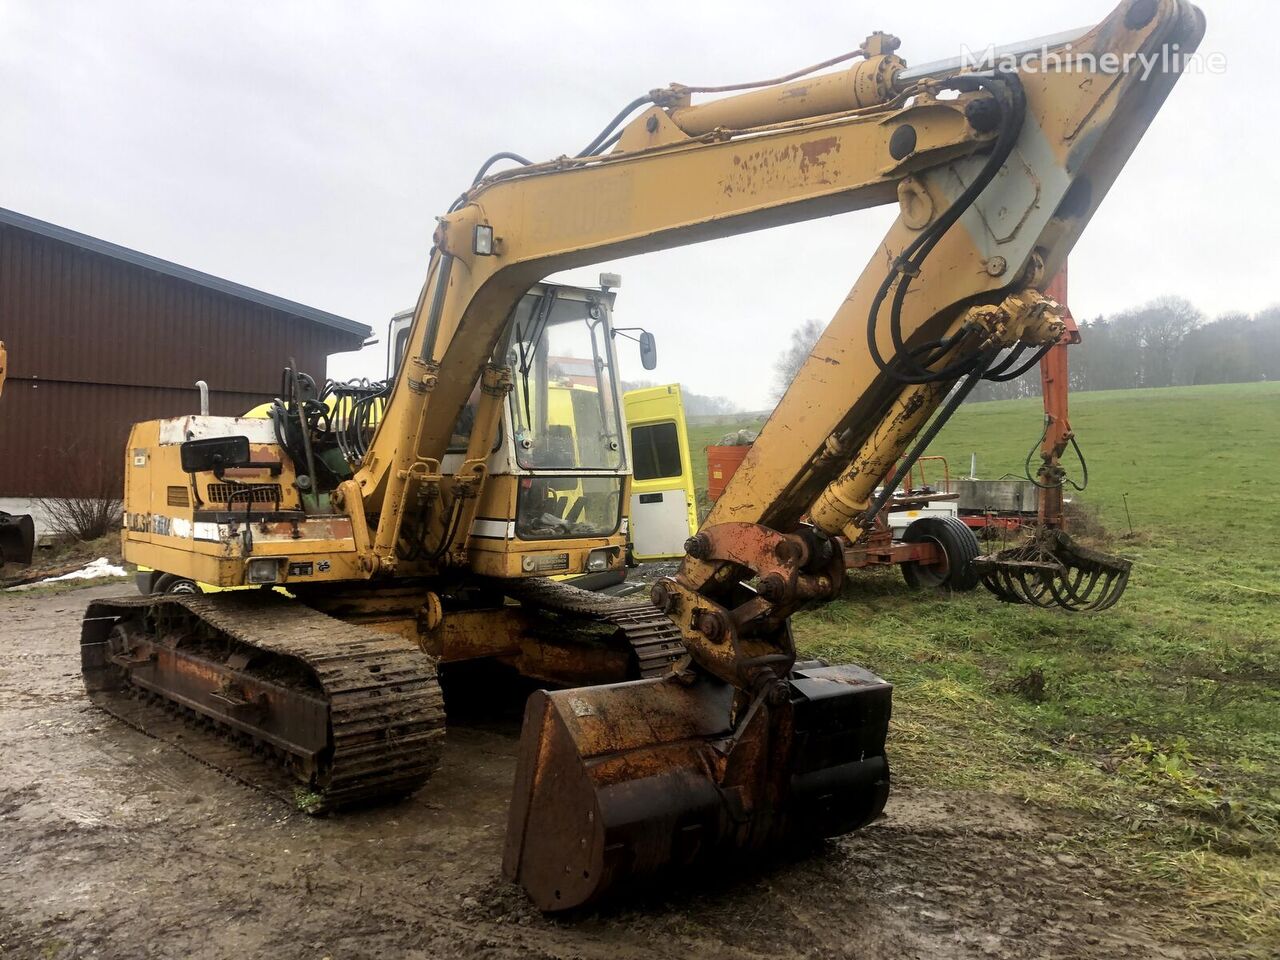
(1052, 570)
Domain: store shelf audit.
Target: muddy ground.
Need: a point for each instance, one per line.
(114, 845)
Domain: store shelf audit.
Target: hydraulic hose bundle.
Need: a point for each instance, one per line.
(310, 423)
(913, 365)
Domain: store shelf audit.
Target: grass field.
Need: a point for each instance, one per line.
(1153, 729)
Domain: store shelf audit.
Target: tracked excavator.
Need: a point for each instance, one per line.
(667, 733)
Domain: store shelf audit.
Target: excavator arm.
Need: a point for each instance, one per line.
(996, 176)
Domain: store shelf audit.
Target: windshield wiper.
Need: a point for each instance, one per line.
(538, 318)
(601, 365)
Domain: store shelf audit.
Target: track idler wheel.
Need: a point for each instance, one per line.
(615, 783)
(1052, 570)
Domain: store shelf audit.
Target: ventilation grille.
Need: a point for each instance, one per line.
(258, 493)
(178, 497)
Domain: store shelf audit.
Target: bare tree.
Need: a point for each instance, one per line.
(94, 512)
(792, 359)
(701, 405)
(1166, 342)
(1163, 324)
(95, 507)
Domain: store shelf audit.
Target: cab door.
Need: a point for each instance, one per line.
(663, 509)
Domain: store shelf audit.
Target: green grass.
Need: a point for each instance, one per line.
(1154, 728)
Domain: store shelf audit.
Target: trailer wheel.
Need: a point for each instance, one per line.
(959, 548)
(169, 583)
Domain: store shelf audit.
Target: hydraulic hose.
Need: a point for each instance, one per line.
(1009, 94)
(595, 145)
(1066, 481)
(1002, 374)
(958, 397)
(504, 155)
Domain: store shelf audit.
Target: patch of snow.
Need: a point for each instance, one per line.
(102, 567)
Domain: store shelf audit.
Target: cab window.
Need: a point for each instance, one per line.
(401, 343)
(564, 406)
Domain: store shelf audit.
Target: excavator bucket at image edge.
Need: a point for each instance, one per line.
(17, 538)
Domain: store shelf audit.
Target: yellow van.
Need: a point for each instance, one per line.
(664, 513)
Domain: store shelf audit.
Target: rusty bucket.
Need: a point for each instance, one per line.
(615, 783)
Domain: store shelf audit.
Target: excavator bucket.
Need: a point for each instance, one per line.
(1050, 569)
(17, 538)
(615, 783)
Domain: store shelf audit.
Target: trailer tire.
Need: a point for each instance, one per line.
(959, 548)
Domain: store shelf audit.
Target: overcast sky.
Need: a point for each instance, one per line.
(304, 148)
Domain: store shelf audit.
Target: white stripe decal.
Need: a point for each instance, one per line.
(207, 532)
(494, 529)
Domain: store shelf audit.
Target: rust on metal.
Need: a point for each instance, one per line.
(324, 713)
(616, 783)
(1049, 569)
(793, 165)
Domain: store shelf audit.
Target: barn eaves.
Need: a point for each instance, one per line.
(146, 261)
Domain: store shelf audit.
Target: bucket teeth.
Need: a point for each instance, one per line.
(1050, 569)
(615, 783)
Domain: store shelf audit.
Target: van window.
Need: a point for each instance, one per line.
(656, 450)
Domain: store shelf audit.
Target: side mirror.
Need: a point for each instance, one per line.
(214, 453)
(648, 350)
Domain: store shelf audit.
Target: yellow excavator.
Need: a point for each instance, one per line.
(671, 732)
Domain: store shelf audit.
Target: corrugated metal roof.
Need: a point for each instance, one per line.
(146, 261)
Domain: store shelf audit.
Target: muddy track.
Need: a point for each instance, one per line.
(113, 844)
(383, 707)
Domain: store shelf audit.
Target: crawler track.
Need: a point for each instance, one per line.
(323, 713)
(655, 641)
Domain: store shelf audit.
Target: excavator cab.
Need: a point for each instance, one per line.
(562, 429)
